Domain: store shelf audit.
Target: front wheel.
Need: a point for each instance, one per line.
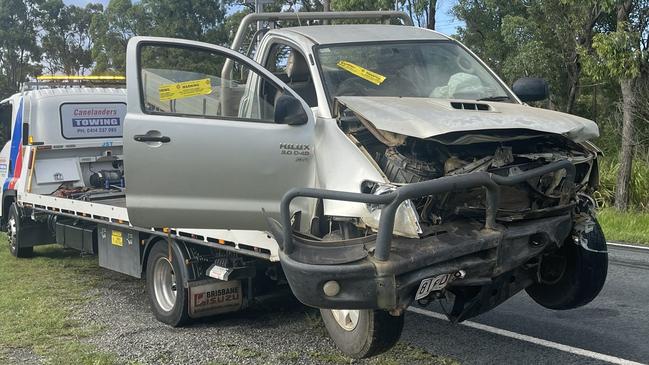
(362, 333)
(15, 233)
(575, 274)
(164, 284)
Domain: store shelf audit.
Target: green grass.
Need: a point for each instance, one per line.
(630, 227)
(39, 297)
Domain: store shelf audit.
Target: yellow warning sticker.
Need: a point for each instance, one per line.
(185, 89)
(361, 72)
(116, 238)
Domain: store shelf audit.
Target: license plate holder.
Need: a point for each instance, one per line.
(434, 283)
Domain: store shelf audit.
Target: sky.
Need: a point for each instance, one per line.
(446, 23)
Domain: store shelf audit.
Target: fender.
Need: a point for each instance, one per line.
(177, 249)
(8, 197)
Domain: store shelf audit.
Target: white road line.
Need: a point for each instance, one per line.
(530, 339)
(635, 247)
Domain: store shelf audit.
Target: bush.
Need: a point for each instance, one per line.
(639, 189)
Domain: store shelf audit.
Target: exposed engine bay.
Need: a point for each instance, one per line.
(406, 160)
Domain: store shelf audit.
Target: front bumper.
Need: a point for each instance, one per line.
(383, 272)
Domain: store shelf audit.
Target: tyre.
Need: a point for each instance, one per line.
(362, 333)
(164, 285)
(576, 274)
(15, 233)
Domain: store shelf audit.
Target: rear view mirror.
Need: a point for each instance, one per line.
(531, 89)
(289, 110)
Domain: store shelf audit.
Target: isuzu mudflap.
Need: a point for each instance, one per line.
(209, 297)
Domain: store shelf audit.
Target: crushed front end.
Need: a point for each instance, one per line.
(382, 271)
(471, 218)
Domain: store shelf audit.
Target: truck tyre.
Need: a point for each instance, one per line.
(583, 276)
(15, 233)
(164, 285)
(364, 332)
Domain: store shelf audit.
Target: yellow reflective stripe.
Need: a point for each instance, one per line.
(361, 72)
(185, 89)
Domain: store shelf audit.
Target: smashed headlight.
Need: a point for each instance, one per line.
(406, 221)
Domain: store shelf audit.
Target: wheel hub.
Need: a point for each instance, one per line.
(347, 319)
(164, 284)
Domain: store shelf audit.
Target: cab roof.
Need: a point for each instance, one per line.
(351, 33)
(73, 91)
(68, 92)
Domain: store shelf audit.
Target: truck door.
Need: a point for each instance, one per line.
(208, 148)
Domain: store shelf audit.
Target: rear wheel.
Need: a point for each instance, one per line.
(574, 275)
(362, 333)
(164, 283)
(14, 234)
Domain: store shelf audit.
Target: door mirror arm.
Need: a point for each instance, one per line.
(289, 110)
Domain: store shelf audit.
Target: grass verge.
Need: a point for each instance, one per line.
(632, 227)
(38, 300)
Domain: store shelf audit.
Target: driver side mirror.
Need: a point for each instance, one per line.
(531, 89)
(289, 110)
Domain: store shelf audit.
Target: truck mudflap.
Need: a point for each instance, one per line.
(383, 271)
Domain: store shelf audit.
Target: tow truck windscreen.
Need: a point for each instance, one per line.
(409, 69)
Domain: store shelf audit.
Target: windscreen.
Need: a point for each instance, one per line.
(436, 69)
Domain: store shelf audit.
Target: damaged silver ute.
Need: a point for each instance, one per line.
(378, 166)
(469, 196)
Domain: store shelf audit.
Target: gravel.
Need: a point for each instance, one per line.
(272, 332)
(20, 356)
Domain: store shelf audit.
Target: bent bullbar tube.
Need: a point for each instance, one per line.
(392, 200)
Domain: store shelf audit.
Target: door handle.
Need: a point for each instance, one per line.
(150, 138)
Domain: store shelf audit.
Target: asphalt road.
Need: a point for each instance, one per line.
(616, 323)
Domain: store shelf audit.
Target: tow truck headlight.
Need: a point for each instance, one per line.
(406, 220)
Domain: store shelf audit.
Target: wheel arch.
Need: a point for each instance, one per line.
(178, 248)
(8, 198)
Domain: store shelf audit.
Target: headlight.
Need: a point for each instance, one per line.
(406, 221)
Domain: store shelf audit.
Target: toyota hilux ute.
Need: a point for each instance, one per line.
(380, 165)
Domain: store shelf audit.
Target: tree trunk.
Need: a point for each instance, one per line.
(326, 5)
(628, 146)
(432, 9)
(572, 95)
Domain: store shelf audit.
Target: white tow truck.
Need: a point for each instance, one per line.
(365, 166)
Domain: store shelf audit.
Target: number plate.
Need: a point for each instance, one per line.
(429, 285)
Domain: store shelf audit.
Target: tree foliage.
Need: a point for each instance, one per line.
(532, 38)
(19, 50)
(66, 40)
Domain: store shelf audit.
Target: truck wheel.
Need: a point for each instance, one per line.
(14, 233)
(164, 284)
(362, 333)
(584, 273)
